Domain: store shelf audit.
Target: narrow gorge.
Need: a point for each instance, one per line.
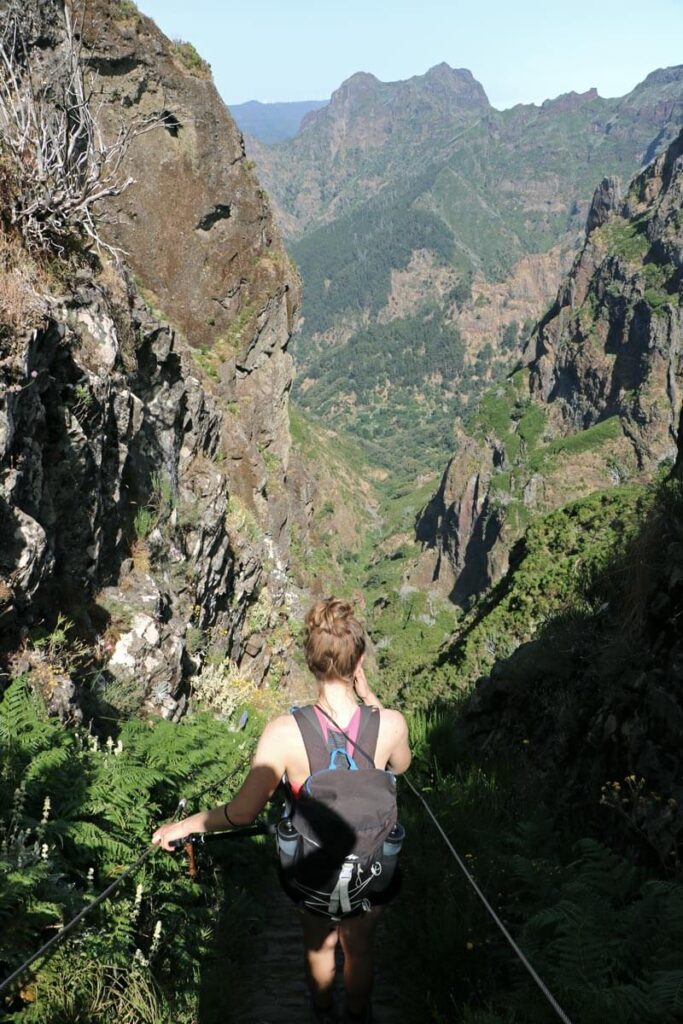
(418, 352)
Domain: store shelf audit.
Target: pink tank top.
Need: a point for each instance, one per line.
(351, 731)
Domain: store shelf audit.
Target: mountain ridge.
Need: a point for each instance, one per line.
(393, 92)
(467, 219)
(272, 122)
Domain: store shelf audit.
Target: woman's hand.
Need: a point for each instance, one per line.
(362, 687)
(171, 831)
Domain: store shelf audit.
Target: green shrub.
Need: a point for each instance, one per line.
(242, 520)
(222, 688)
(190, 59)
(625, 239)
(656, 298)
(144, 522)
(543, 581)
(604, 936)
(124, 10)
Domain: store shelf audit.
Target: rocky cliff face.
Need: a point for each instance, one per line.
(144, 444)
(200, 238)
(599, 400)
(114, 502)
(461, 517)
(611, 344)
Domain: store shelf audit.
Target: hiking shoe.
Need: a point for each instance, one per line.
(358, 1018)
(327, 1016)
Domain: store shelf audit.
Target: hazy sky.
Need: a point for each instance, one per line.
(523, 51)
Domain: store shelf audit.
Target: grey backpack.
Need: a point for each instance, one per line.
(344, 813)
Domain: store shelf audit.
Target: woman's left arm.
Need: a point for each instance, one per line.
(267, 769)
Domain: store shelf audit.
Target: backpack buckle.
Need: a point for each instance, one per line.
(351, 764)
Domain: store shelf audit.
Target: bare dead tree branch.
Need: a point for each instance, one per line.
(62, 167)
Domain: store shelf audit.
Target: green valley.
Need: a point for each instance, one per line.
(443, 223)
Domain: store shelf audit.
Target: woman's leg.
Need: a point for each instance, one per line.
(357, 936)
(320, 941)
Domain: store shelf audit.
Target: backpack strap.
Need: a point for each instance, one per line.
(318, 751)
(316, 748)
(366, 743)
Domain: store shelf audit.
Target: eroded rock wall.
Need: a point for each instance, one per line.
(144, 437)
(611, 345)
(605, 363)
(114, 498)
(199, 236)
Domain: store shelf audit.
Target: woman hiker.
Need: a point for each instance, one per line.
(341, 819)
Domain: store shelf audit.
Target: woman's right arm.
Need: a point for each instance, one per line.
(400, 756)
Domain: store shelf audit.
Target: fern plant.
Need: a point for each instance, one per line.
(608, 938)
(77, 810)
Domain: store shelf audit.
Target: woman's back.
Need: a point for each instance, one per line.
(391, 751)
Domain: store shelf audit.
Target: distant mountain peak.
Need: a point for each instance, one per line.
(458, 81)
(361, 78)
(273, 122)
(663, 76)
(440, 81)
(570, 100)
(357, 84)
(444, 70)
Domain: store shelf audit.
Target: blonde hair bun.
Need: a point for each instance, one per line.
(335, 639)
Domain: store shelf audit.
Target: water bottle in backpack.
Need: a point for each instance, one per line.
(287, 843)
(390, 850)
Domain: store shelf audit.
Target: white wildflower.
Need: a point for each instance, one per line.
(141, 958)
(119, 748)
(110, 744)
(46, 810)
(44, 851)
(137, 903)
(156, 939)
